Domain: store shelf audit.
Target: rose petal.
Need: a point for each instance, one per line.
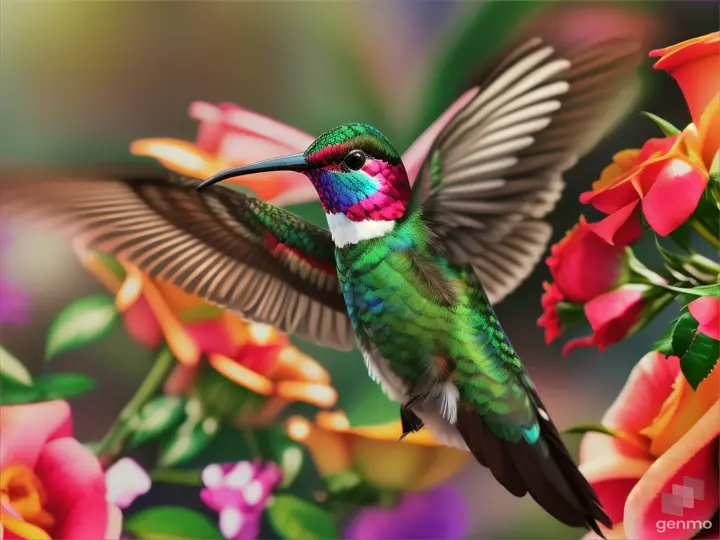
(692, 459)
(115, 521)
(706, 311)
(674, 196)
(142, 325)
(126, 481)
(620, 228)
(75, 487)
(414, 156)
(27, 428)
(639, 402)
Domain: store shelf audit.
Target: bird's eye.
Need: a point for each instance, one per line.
(354, 160)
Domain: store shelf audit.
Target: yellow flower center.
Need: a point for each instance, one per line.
(22, 500)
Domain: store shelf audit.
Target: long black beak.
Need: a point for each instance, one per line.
(294, 162)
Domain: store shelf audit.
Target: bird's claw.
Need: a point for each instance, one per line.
(410, 422)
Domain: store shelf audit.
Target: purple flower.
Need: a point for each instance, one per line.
(13, 300)
(239, 492)
(440, 513)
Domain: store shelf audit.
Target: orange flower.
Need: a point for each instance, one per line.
(666, 449)
(231, 136)
(417, 463)
(666, 179)
(253, 356)
(695, 65)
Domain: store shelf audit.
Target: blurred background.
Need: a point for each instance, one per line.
(81, 80)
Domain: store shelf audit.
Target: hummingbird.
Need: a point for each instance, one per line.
(409, 268)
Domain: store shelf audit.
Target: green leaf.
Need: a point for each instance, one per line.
(112, 264)
(191, 438)
(13, 393)
(63, 385)
(80, 323)
(593, 428)
(699, 359)
(156, 417)
(682, 236)
(677, 337)
(666, 127)
(171, 523)
(683, 334)
(295, 519)
(13, 369)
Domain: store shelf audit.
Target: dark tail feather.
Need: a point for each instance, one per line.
(544, 469)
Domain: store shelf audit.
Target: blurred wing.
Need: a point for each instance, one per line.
(496, 168)
(226, 247)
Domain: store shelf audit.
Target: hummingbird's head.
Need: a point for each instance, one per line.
(355, 170)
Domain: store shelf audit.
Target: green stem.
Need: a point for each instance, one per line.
(706, 234)
(171, 476)
(113, 442)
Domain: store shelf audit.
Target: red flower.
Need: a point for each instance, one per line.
(645, 181)
(666, 179)
(695, 65)
(583, 266)
(617, 314)
(706, 311)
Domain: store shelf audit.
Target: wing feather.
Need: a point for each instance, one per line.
(496, 169)
(226, 247)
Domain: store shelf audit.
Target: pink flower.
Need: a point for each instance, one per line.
(706, 311)
(51, 486)
(659, 478)
(126, 481)
(617, 314)
(239, 493)
(230, 136)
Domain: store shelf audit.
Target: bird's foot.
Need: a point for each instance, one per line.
(410, 421)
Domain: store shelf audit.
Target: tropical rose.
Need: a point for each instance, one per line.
(583, 266)
(706, 311)
(620, 313)
(418, 463)
(666, 178)
(695, 65)
(231, 136)
(51, 486)
(662, 467)
(206, 339)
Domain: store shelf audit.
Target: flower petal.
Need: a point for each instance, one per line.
(706, 311)
(673, 196)
(180, 156)
(692, 463)
(126, 481)
(441, 513)
(27, 428)
(142, 325)
(330, 451)
(621, 227)
(695, 65)
(639, 402)
(115, 521)
(75, 487)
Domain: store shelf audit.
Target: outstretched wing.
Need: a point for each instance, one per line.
(496, 168)
(226, 247)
